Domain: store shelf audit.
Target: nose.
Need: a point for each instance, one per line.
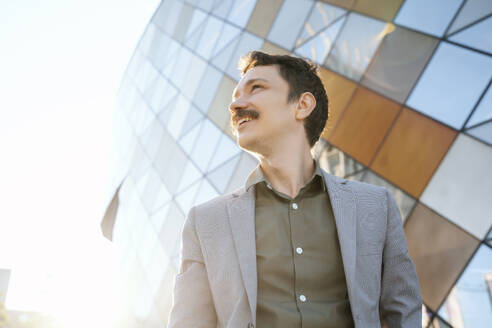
(237, 104)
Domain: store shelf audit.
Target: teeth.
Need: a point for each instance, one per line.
(246, 119)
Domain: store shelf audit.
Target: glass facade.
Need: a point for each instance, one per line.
(410, 109)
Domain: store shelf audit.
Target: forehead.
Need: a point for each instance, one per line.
(269, 74)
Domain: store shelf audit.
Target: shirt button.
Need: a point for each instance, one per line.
(299, 250)
(294, 206)
(302, 298)
(269, 186)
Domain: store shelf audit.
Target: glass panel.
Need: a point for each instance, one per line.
(272, 49)
(163, 18)
(177, 116)
(205, 145)
(321, 16)
(398, 63)
(226, 149)
(153, 140)
(187, 142)
(431, 17)
(356, 45)
(240, 12)
(191, 174)
(426, 316)
(334, 161)
(482, 132)
(196, 21)
(170, 233)
(246, 164)
(438, 323)
(219, 110)
(193, 77)
(210, 35)
(404, 201)
(228, 33)
(290, 18)
(222, 8)
(469, 302)
(247, 43)
(460, 188)
(206, 90)
(339, 91)
(364, 124)
(205, 4)
(477, 36)
(181, 67)
(382, 9)
(163, 196)
(472, 10)
(451, 84)
(205, 193)
(439, 250)
(151, 190)
(342, 3)
(192, 119)
(413, 139)
(483, 112)
(173, 169)
(317, 49)
(185, 198)
(220, 177)
(184, 20)
(224, 56)
(263, 16)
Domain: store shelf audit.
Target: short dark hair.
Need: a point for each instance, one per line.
(302, 76)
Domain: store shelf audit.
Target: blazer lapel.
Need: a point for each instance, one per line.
(344, 210)
(242, 219)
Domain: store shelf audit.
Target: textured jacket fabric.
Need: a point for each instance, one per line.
(216, 285)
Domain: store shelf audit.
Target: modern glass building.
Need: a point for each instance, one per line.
(409, 84)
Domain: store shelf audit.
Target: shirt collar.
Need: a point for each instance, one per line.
(257, 176)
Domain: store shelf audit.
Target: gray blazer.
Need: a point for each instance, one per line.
(216, 285)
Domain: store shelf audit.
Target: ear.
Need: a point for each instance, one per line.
(305, 105)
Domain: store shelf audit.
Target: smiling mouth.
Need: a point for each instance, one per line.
(243, 121)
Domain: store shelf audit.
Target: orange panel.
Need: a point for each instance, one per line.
(364, 124)
(339, 91)
(412, 151)
(439, 249)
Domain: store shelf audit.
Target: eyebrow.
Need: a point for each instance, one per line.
(249, 82)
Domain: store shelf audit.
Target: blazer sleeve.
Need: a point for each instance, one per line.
(400, 302)
(192, 299)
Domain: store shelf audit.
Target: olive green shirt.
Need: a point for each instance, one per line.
(301, 281)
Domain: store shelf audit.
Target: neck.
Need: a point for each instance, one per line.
(288, 167)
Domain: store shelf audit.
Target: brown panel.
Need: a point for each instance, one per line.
(439, 249)
(382, 9)
(398, 63)
(364, 124)
(412, 151)
(263, 16)
(272, 49)
(219, 110)
(341, 3)
(339, 91)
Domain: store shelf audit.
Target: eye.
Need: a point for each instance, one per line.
(255, 86)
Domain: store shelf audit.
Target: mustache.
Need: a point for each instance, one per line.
(241, 113)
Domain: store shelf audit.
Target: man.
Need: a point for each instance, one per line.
(296, 246)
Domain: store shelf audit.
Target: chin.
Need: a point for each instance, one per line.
(247, 142)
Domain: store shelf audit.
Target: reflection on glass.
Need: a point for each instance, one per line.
(451, 84)
(334, 161)
(241, 11)
(356, 44)
(469, 302)
(482, 132)
(247, 43)
(290, 18)
(404, 201)
(220, 176)
(228, 33)
(205, 193)
(322, 16)
(431, 17)
(472, 10)
(477, 36)
(483, 112)
(205, 145)
(210, 35)
(197, 19)
(318, 48)
(205, 92)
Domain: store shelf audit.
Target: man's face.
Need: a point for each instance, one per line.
(260, 112)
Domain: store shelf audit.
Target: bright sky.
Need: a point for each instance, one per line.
(61, 62)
